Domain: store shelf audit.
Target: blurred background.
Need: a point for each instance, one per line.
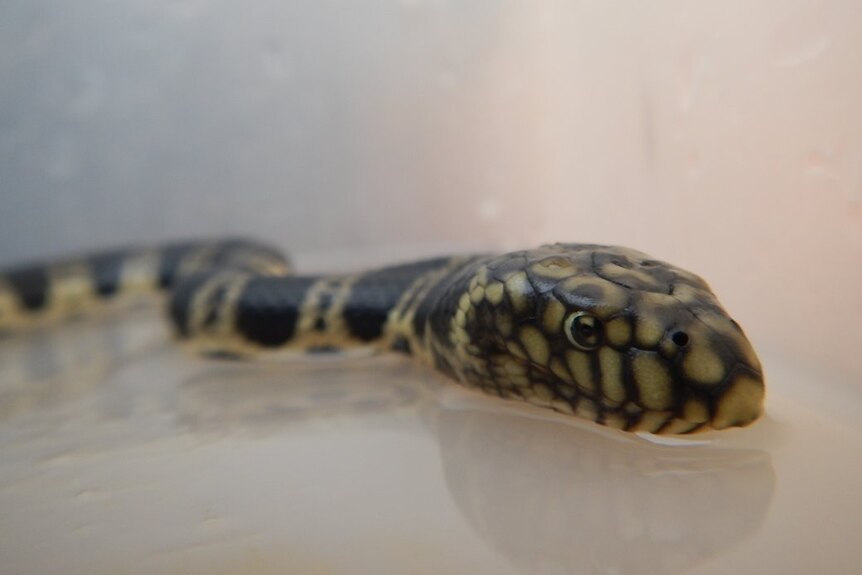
(722, 136)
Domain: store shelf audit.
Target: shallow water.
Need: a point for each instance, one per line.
(121, 454)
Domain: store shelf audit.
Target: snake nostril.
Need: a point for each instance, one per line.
(680, 338)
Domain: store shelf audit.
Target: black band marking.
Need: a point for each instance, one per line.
(31, 285)
(402, 345)
(172, 256)
(106, 269)
(268, 309)
(375, 294)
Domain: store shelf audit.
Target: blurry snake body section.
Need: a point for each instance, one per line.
(603, 333)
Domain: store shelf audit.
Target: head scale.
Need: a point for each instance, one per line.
(609, 334)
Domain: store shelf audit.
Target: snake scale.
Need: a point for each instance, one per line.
(603, 333)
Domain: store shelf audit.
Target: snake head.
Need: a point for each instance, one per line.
(608, 334)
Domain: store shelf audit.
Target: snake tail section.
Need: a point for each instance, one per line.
(33, 294)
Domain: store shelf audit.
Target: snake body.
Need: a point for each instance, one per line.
(604, 333)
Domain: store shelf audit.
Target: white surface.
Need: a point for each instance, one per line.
(147, 460)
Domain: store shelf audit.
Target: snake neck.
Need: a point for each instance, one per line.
(232, 312)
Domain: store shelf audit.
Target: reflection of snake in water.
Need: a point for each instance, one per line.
(554, 498)
(547, 494)
(604, 333)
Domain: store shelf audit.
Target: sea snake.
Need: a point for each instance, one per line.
(599, 332)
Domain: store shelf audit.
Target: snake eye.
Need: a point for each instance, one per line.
(584, 330)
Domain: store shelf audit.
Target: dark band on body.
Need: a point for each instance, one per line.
(171, 258)
(106, 269)
(30, 284)
(375, 294)
(268, 309)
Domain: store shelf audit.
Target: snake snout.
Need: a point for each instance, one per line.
(719, 365)
(740, 400)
